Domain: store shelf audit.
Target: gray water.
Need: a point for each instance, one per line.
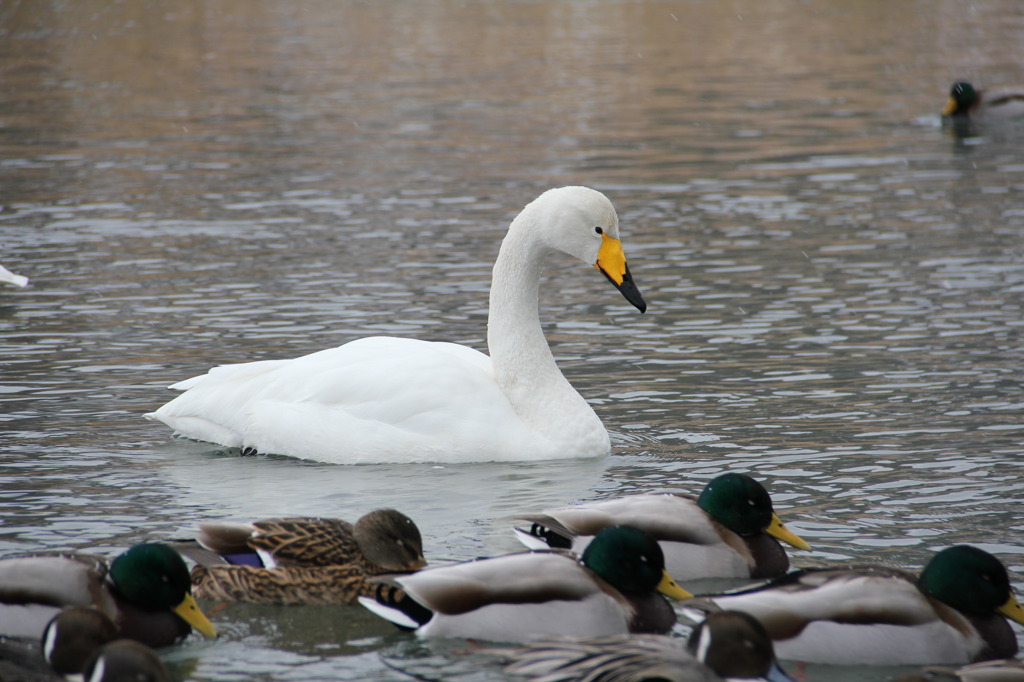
(835, 281)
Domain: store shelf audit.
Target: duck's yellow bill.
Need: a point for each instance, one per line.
(189, 611)
(777, 529)
(670, 588)
(1013, 610)
(950, 107)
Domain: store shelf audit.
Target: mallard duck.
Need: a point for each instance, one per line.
(125, 660)
(952, 613)
(999, 670)
(998, 103)
(145, 591)
(84, 640)
(73, 636)
(729, 531)
(612, 589)
(726, 644)
(384, 399)
(301, 560)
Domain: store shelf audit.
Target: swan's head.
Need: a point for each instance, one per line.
(582, 222)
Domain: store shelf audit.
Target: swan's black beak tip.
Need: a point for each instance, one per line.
(629, 290)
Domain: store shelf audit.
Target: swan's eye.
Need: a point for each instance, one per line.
(598, 230)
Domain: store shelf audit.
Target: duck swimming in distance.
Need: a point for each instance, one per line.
(387, 399)
(967, 103)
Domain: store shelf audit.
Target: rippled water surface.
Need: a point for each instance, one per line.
(835, 281)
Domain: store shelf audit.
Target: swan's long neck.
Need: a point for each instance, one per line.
(514, 336)
(523, 365)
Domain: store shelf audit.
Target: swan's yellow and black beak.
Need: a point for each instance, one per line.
(612, 263)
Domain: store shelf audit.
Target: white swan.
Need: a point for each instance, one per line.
(385, 399)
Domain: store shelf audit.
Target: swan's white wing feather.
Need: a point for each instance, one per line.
(374, 399)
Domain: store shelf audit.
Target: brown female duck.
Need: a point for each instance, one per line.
(293, 561)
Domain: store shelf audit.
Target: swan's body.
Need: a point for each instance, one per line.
(384, 399)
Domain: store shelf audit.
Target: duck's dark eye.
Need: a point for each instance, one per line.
(598, 230)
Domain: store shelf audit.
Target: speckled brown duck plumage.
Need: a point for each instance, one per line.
(293, 561)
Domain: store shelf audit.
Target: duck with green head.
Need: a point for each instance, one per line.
(954, 612)
(967, 103)
(616, 587)
(146, 591)
(730, 531)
